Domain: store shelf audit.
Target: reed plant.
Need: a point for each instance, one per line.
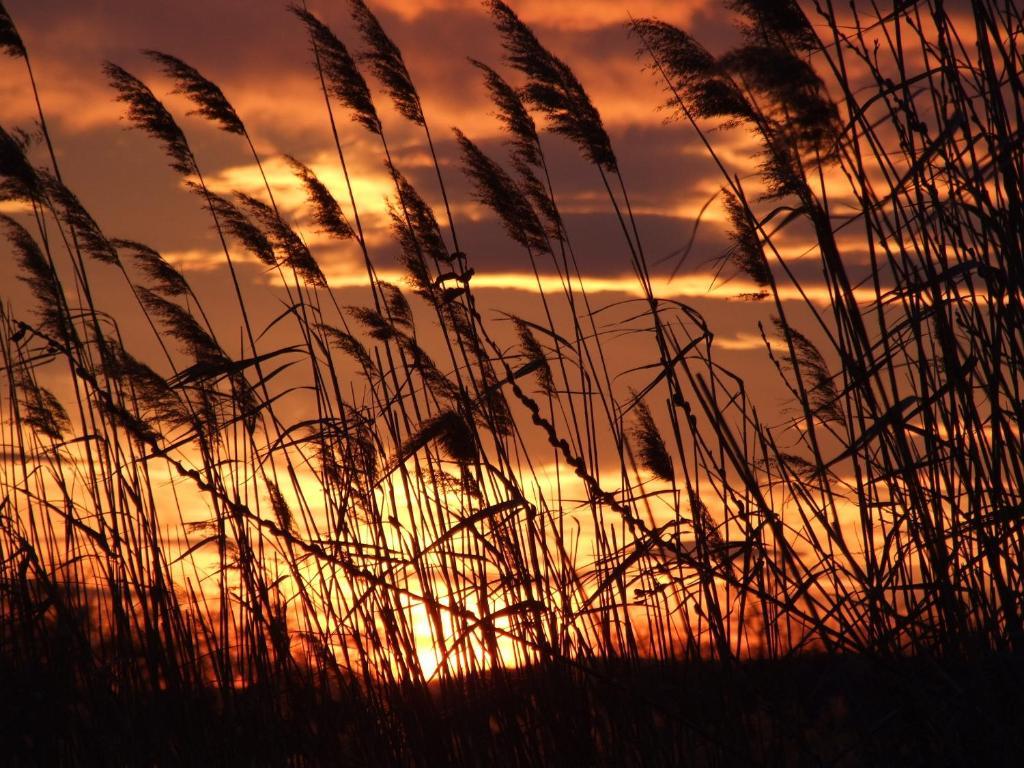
(337, 541)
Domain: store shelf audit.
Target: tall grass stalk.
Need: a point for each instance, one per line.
(352, 513)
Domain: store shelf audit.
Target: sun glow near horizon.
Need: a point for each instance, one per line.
(340, 374)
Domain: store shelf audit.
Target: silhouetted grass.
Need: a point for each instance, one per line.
(359, 556)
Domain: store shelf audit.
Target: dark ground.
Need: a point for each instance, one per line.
(805, 711)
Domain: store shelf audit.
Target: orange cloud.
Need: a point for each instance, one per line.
(690, 286)
(558, 14)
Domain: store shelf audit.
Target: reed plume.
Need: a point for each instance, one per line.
(397, 305)
(783, 20)
(87, 232)
(352, 572)
(326, 212)
(348, 344)
(821, 391)
(166, 279)
(450, 431)
(536, 358)
(791, 89)
(343, 78)
(650, 445)
(43, 411)
(152, 117)
(238, 225)
(386, 62)
(282, 513)
(439, 385)
(525, 145)
(696, 82)
(10, 41)
(209, 99)
(553, 89)
(498, 191)
(285, 240)
(513, 115)
(19, 180)
(374, 322)
(41, 277)
(164, 402)
(747, 252)
(416, 226)
(181, 325)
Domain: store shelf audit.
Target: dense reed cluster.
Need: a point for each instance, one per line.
(302, 529)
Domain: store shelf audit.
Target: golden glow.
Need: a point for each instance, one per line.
(691, 286)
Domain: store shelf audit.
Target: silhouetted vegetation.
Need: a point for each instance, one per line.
(344, 547)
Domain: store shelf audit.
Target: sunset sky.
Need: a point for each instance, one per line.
(259, 55)
(745, 384)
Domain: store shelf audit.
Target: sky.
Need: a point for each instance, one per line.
(259, 55)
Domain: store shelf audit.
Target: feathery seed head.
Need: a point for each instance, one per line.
(781, 20)
(385, 61)
(238, 225)
(207, 96)
(41, 278)
(151, 116)
(10, 41)
(653, 455)
(326, 212)
(166, 278)
(513, 115)
(348, 344)
(87, 232)
(342, 76)
(497, 190)
(42, 411)
(553, 89)
(694, 77)
(295, 253)
(18, 179)
(181, 325)
(535, 356)
(747, 252)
